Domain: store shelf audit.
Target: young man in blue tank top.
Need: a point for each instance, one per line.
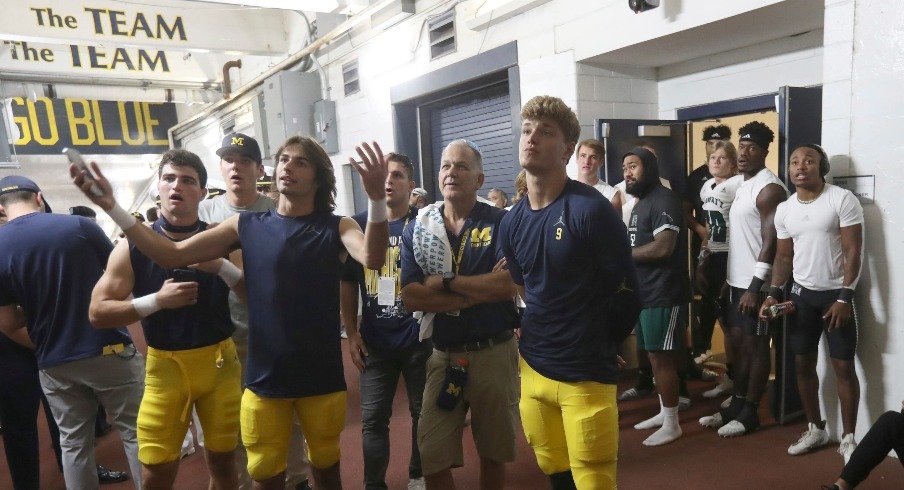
(191, 360)
(292, 262)
(568, 253)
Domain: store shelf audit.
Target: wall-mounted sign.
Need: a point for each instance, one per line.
(863, 186)
(46, 126)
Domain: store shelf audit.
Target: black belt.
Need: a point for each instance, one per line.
(480, 344)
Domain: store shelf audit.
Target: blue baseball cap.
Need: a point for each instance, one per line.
(17, 183)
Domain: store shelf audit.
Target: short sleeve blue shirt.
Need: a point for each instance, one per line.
(49, 264)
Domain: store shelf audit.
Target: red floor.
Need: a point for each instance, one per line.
(700, 459)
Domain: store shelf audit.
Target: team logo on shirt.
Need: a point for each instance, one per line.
(481, 237)
(560, 226)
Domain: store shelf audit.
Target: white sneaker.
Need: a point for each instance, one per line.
(726, 402)
(811, 439)
(703, 357)
(847, 446)
(417, 484)
(713, 421)
(725, 385)
(683, 403)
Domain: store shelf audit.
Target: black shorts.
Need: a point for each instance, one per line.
(750, 324)
(807, 324)
(716, 271)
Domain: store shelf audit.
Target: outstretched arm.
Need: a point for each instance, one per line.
(369, 247)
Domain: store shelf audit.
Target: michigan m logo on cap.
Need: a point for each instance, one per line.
(238, 141)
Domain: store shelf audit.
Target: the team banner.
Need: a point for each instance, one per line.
(46, 126)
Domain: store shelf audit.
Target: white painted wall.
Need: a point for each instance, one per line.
(863, 112)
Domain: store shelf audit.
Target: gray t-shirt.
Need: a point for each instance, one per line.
(217, 210)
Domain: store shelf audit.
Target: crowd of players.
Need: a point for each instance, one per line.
(240, 299)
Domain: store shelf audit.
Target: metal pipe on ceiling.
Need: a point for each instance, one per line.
(45, 78)
(290, 61)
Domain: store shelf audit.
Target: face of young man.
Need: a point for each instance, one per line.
(459, 176)
(240, 172)
(803, 168)
(751, 157)
(632, 167)
(296, 174)
(589, 162)
(180, 190)
(398, 184)
(497, 198)
(543, 146)
(720, 164)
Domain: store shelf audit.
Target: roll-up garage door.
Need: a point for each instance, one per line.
(483, 116)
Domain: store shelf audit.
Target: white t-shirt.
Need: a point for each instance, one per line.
(605, 189)
(217, 210)
(746, 239)
(815, 229)
(628, 201)
(717, 199)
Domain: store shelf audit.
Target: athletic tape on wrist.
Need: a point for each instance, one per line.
(376, 211)
(146, 305)
(846, 295)
(122, 217)
(756, 284)
(229, 273)
(762, 270)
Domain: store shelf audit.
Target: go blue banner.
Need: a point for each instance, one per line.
(46, 126)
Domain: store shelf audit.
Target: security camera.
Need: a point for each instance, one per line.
(639, 6)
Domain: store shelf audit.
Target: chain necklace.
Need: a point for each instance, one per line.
(811, 200)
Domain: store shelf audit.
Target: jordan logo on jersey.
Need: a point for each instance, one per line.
(560, 226)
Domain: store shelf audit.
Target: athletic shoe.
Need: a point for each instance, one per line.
(725, 385)
(713, 421)
(699, 360)
(417, 484)
(187, 451)
(105, 475)
(745, 423)
(811, 439)
(634, 393)
(726, 403)
(847, 446)
(708, 375)
(684, 402)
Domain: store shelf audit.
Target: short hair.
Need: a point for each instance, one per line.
(183, 158)
(325, 197)
(478, 157)
(593, 144)
(151, 214)
(554, 109)
(16, 197)
(496, 189)
(403, 160)
(729, 148)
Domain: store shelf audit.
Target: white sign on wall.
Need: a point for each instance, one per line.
(863, 186)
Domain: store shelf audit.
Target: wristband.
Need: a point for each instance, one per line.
(755, 285)
(845, 295)
(762, 270)
(122, 217)
(229, 273)
(376, 211)
(777, 293)
(146, 305)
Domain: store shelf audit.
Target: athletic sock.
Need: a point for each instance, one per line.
(654, 421)
(562, 481)
(669, 431)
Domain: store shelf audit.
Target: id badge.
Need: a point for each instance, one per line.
(386, 289)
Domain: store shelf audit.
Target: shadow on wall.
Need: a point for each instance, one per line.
(872, 314)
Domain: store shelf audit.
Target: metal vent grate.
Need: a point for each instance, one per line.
(441, 30)
(350, 81)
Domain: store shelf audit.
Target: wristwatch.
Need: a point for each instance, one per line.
(447, 280)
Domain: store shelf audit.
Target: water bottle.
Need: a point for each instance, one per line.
(456, 379)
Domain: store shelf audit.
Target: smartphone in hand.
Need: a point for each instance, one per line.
(185, 275)
(76, 159)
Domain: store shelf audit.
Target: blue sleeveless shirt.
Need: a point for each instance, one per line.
(292, 271)
(204, 323)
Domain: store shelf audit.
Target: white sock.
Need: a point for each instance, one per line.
(654, 421)
(669, 431)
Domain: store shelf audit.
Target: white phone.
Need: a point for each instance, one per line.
(76, 159)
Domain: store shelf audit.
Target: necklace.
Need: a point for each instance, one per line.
(166, 225)
(811, 200)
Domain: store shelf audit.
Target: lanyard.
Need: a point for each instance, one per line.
(397, 264)
(456, 261)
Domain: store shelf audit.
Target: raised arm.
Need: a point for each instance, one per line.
(369, 248)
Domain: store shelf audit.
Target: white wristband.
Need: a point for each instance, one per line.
(229, 273)
(762, 270)
(376, 211)
(146, 305)
(122, 217)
